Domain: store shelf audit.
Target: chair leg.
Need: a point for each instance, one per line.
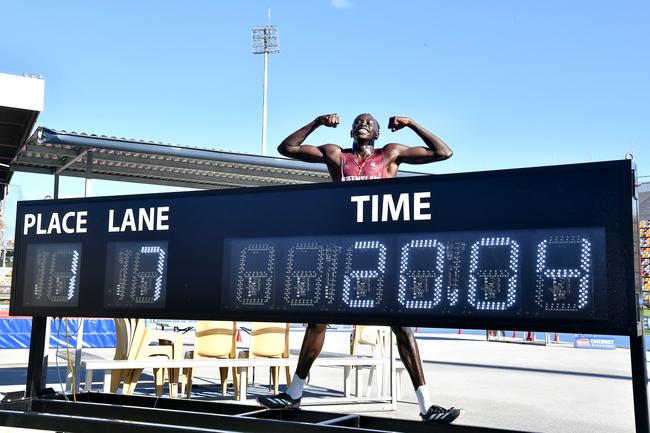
(131, 381)
(346, 380)
(372, 379)
(235, 382)
(159, 380)
(173, 374)
(276, 379)
(223, 372)
(188, 381)
(287, 371)
(357, 382)
(116, 379)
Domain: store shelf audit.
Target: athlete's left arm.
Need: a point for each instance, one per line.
(436, 149)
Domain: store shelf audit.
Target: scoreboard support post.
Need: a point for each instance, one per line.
(639, 383)
(37, 363)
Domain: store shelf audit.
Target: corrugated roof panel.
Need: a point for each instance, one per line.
(133, 160)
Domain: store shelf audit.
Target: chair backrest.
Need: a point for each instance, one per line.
(132, 338)
(123, 337)
(215, 339)
(139, 340)
(373, 336)
(269, 340)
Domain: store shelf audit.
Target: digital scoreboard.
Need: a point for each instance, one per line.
(510, 273)
(547, 248)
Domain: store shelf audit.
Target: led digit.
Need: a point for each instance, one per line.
(493, 273)
(304, 280)
(421, 273)
(61, 266)
(563, 273)
(255, 274)
(146, 282)
(363, 288)
(136, 274)
(124, 266)
(56, 277)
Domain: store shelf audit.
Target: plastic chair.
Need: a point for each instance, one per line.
(376, 338)
(213, 339)
(269, 340)
(373, 336)
(135, 341)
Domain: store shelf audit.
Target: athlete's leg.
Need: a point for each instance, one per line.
(410, 354)
(312, 344)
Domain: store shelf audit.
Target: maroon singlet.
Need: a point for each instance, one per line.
(353, 168)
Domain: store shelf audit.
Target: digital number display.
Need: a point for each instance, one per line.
(527, 272)
(136, 274)
(541, 249)
(54, 277)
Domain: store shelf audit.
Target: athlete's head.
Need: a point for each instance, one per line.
(365, 130)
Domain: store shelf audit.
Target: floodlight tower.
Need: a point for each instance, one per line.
(265, 41)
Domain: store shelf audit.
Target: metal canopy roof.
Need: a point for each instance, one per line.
(21, 101)
(49, 151)
(70, 154)
(15, 124)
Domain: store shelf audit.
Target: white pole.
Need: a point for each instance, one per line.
(264, 104)
(89, 168)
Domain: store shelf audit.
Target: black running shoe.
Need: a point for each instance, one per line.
(441, 415)
(280, 401)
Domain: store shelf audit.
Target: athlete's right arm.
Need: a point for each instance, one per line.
(293, 146)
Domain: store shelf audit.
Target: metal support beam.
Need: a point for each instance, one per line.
(73, 377)
(108, 413)
(37, 366)
(71, 161)
(639, 384)
(56, 186)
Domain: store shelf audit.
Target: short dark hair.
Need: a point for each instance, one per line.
(371, 116)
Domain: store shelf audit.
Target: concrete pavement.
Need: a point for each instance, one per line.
(553, 388)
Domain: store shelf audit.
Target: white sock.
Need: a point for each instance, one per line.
(295, 389)
(424, 402)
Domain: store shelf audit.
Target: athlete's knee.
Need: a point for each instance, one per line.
(316, 327)
(402, 333)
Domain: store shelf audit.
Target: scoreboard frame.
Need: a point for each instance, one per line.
(196, 224)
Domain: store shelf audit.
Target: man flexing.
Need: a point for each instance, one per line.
(363, 162)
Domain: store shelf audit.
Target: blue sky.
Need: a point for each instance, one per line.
(504, 83)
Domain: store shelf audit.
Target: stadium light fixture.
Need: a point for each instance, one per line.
(265, 41)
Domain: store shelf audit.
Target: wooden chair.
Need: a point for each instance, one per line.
(213, 339)
(269, 340)
(135, 341)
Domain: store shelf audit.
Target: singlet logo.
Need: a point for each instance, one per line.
(352, 178)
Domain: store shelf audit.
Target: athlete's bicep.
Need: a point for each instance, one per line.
(412, 155)
(305, 152)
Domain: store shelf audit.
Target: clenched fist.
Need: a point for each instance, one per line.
(329, 120)
(396, 123)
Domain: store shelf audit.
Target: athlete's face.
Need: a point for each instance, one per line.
(365, 128)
